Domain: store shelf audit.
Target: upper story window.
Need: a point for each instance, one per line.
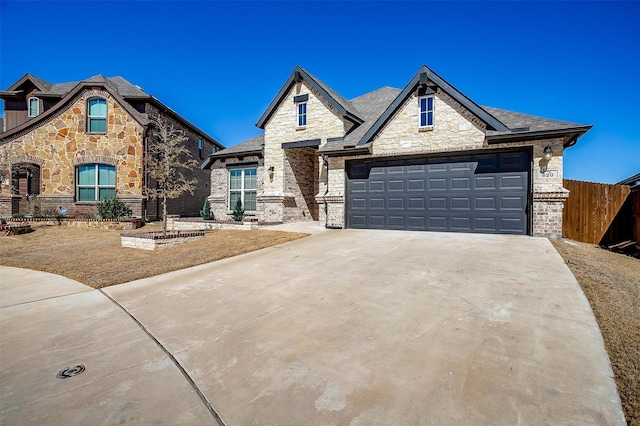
(200, 146)
(95, 182)
(97, 117)
(242, 185)
(34, 107)
(426, 111)
(302, 114)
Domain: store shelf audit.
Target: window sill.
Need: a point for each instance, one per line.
(425, 129)
(96, 133)
(301, 128)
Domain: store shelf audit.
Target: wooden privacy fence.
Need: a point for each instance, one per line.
(591, 209)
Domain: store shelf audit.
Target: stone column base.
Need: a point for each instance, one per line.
(272, 207)
(331, 209)
(6, 209)
(547, 213)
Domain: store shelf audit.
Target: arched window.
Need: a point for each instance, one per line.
(97, 115)
(95, 182)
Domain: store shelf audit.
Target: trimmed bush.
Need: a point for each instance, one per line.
(205, 213)
(238, 211)
(113, 208)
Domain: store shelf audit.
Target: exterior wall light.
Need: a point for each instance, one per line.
(547, 153)
(271, 170)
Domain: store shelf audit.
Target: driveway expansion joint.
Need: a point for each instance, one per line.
(173, 359)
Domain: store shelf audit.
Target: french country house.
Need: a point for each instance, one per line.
(71, 144)
(425, 157)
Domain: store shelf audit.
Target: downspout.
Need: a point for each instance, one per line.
(145, 172)
(325, 163)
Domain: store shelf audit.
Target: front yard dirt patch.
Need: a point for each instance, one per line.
(96, 258)
(611, 282)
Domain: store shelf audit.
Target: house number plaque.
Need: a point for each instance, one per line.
(549, 174)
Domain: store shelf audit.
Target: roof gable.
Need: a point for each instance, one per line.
(423, 77)
(343, 106)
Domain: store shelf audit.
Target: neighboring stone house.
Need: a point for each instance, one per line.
(424, 158)
(71, 144)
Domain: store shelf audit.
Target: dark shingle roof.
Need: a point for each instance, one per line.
(348, 106)
(254, 145)
(517, 120)
(338, 102)
(371, 106)
(631, 181)
(251, 145)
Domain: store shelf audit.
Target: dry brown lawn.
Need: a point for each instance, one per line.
(611, 282)
(96, 258)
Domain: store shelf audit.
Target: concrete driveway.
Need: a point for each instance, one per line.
(344, 327)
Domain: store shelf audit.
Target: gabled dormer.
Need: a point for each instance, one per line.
(305, 109)
(22, 101)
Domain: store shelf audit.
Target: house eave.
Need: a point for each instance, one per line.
(569, 136)
(221, 156)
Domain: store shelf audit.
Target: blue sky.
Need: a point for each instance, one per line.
(219, 64)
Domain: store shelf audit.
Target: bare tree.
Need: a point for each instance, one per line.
(166, 156)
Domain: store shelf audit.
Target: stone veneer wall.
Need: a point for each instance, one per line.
(454, 129)
(281, 198)
(300, 171)
(63, 143)
(219, 197)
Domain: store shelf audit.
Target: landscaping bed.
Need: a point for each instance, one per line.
(95, 257)
(611, 282)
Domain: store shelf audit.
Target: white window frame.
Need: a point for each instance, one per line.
(300, 115)
(426, 112)
(37, 106)
(242, 189)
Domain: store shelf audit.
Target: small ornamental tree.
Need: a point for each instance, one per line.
(238, 211)
(166, 156)
(205, 213)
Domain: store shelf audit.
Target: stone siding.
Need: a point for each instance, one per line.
(295, 192)
(219, 197)
(62, 143)
(454, 129)
(301, 169)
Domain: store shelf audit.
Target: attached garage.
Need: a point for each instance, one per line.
(484, 193)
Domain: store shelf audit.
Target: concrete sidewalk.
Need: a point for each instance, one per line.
(49, 323)
(342, 327)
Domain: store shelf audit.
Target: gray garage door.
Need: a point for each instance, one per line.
(477, 193)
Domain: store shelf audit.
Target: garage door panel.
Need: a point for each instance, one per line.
(461, 183)
(359, 186)
(376, 186)
(377, 203)
(416, 203)
(396, 203)
(396, 185)
(476, 193)
(437, 203)
(415, 184)
(460, 203)
(485, 182)
(437, 184)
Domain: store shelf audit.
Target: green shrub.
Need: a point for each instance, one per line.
(238, 211)
(17, 215)
(205, 213)
(113, 208)
(37, 215)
